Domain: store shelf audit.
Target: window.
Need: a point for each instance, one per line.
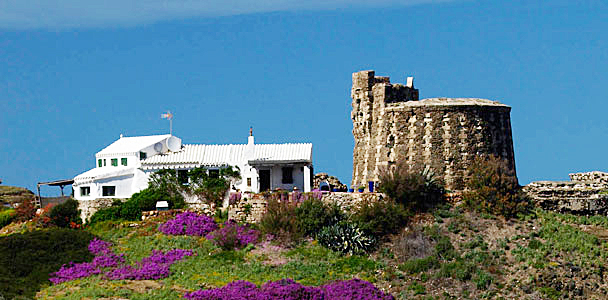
(104, 162)
(99, 163)
(142, 155)
(123, 161)
(182, 176)
(85, 190)
(249, 181)
(115, 162)
(214, 173)
(108, 190)
(287, 175)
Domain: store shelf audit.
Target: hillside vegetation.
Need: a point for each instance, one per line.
(491, 245)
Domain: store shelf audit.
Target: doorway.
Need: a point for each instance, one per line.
(264, 180)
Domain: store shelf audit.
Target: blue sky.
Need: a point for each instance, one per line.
(74, 75)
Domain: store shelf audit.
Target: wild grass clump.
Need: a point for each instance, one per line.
(412, 244)
(492, 188)
(417, 265)
(417, 190)
(281, 222)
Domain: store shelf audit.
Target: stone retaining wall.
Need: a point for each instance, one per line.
(89, 207)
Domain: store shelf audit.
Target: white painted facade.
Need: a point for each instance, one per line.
(124, 167)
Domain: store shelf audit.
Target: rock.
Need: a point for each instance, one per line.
(333, 182)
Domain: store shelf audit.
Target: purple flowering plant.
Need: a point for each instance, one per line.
(233, 236)
(189, 223)
(287, 289)
(155, 266)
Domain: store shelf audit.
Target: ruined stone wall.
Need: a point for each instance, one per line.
(575, 197)
(595, 176)
(391, 125)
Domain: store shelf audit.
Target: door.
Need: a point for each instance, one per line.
(264, 180)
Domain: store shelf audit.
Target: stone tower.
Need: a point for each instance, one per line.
(391, 125)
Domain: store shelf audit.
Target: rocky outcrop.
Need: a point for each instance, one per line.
(585, 194)
(333, 182)
(13, 196)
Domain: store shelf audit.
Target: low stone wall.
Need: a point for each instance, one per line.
(349, 201)
(595, 176)
(248, 209)
(251, 209)
(575, 197)
(89, 207)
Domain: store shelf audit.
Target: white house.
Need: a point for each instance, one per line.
(124, 167)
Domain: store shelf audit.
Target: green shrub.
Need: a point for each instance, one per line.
(65, 213)
(417, 288)
(312, 215)
(458, 269)
(417, 265)
(105, 214)
(417, 190)
(27, 259)
(493, 188)
(280, 220)
(380, 218)
(6, 217)
(346, 238)
(148, 197)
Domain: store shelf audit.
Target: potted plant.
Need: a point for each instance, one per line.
(361, 188)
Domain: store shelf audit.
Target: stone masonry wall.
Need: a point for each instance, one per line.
(89, 207)
(390, 125)
(252, 209)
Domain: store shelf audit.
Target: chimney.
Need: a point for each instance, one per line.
(410, 82)
(250, 140)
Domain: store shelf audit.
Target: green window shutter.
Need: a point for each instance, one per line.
(99, 163)
(115, 162)
(123, 161)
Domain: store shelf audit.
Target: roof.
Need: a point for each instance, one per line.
(452, 102)
(231, 154)
(106, 172)
(58, 182)
(282, 153)
(132, 144)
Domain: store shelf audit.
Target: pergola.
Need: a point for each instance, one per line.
(60, 183)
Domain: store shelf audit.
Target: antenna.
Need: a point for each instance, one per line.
(169, 116)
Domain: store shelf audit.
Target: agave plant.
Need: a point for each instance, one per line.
(346, 238)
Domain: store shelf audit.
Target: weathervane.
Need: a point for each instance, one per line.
(169, 116)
